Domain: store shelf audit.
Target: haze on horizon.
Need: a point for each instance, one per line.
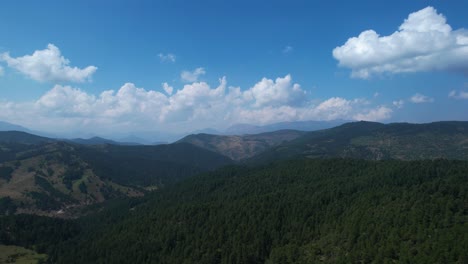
(178, 67)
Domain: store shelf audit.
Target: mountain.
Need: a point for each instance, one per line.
(93, 141)
(241, 147)
(48, 177)
(150, 166)
(18, 137)
(241, 129)
(303, 211)
(99, 141)
(375, 141)
(135, 139)
(5, 126)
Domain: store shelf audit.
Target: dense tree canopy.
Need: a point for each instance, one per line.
(304, 211)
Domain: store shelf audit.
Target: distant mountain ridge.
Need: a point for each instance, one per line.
(22, 138)
(5, 126)
(99, 141)
(375, 141)
(242, 129)
(244, 146)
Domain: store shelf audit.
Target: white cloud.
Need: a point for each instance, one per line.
(48, 65)
(65, 100)
(288, 49)
(193, 106)
(333, 108)
(195, 100)
(167, 88)
(1, 71)
(169, 57)
(398, 104)
(192, 76)
(273, 93)
(420, 98)
(128, 101)
(424, 42)
(380, 113)
(458, 94)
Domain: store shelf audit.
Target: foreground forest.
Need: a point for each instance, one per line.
(302, 211)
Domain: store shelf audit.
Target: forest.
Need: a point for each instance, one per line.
(298, 211)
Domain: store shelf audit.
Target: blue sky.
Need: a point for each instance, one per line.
(228, 62)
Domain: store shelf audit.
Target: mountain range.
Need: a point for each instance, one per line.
(360, 192)
(158, 137)
(241, 147)
(360, 140)
(51, 177)
(47, 175)
(376, 141)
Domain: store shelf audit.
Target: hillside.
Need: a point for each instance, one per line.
(47, 177)
(19, 137)
(375, 141)
(150, 166)
(51, 178)
(306, 211)
(241, 147)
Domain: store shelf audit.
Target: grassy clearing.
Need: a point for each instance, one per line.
(20, 255)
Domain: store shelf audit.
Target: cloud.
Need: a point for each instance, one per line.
(333, 108)
(48, 65)
(424, 42)
(167, 88)
(419, 98)
(273, 93)
(380, 113)
(288, 49)
(169, 57)
(398, 104)
(129, 100)
(188, 76)
(458, 94)
(195, 101)
(66, 101)
(1, 71)
(194, 106)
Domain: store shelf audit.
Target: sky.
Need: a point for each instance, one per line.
(178, 66)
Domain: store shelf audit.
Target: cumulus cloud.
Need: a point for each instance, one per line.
(194, 106)
(420, 98)
(48, 65)
(333, 108)
(424, 42)
(380, 113)
(169, 57)
(458, 94)
(273, 93)
(167, 88)
(192, 76)
(66, 101)
(129, 100)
